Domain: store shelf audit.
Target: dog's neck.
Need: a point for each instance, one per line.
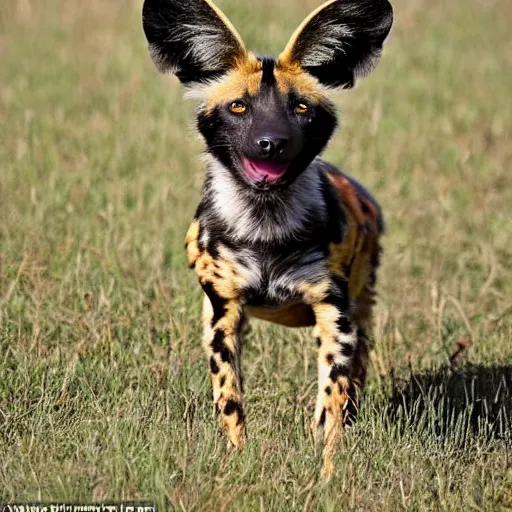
(287, 214)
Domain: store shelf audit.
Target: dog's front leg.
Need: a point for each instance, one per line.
(337, 340)
(223, 322)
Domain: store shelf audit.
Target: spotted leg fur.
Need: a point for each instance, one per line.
(223, 322)
(339, 377)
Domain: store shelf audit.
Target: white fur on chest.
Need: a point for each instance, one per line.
(247, 220)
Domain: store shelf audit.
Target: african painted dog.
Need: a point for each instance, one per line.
(279, 234)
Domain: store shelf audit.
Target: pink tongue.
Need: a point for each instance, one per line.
(259, 170)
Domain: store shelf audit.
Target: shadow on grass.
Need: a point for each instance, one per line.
(455, 403)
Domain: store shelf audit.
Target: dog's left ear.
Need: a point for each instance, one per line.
(191, 38)
(340, 41)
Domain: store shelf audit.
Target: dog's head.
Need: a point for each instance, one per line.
(266, 119)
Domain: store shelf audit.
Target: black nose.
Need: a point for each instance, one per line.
(272, 146)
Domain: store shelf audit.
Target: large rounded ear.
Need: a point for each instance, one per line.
(191, 38)
(340, 41)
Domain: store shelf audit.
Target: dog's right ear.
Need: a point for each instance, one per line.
(192, 39)
(340, 41)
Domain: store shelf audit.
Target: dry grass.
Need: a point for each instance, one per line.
(103, 388)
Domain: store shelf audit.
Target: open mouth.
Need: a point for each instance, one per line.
(264, 171)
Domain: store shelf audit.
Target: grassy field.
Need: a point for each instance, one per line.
(104, 391)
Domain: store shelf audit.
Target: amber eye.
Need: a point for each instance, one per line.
(238, 107)
(301, 108)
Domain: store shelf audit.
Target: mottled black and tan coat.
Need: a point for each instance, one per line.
(279, 234)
